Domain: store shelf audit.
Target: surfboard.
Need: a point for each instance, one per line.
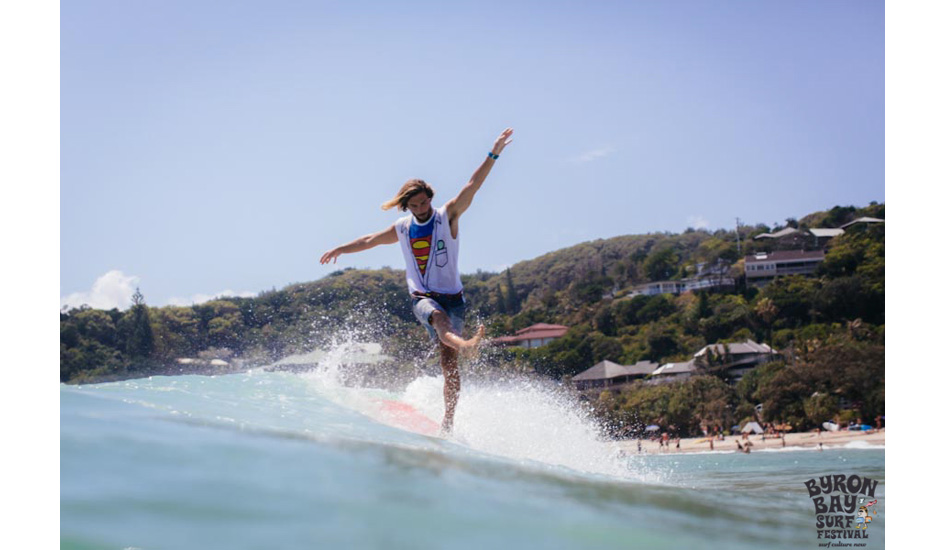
(406, 417)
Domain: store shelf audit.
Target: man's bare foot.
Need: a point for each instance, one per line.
(469, 348)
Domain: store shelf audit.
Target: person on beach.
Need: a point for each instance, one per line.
(429, 239)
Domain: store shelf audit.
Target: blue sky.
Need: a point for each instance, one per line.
(212, 146)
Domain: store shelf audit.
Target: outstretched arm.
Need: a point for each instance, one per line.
(386, 236)
(460, 204)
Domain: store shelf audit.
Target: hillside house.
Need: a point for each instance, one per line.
(535, 336)
(610, 375)
(733, 360)
(658, 287)
(824, 234)
(708, 277)
(798, 239)
(787, 238)
(765, 266)
(864, 220)
(673, 372)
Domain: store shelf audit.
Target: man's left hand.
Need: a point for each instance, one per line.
(503, 140)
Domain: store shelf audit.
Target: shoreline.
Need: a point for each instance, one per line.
(793, 440)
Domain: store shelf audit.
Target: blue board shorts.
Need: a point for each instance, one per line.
(454, 306)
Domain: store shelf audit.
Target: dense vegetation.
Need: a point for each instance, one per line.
(828, 328)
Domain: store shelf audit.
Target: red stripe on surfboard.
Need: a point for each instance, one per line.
(407, 417)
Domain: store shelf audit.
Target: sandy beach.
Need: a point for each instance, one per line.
(803, 440)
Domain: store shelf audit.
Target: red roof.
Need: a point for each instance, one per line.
(534, 332)
(541, 326)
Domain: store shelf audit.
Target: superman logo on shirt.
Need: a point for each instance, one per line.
(420, 242)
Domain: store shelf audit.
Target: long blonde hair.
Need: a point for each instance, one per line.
(406, 192)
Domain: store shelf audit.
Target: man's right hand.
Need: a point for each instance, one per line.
(330, 255)
(386, 236)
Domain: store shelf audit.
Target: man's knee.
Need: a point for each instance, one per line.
(439, 320)
(448, 353)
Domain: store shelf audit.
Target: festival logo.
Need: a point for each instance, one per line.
(845, 508)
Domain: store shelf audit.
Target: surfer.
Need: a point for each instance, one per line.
(429, 239)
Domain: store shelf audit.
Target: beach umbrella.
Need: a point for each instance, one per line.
(752, 427)
(652, 428)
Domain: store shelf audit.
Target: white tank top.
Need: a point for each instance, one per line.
(441, 272)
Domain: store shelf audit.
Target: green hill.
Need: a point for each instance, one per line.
(586, 287)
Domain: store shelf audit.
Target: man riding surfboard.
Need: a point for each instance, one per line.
(429, 239)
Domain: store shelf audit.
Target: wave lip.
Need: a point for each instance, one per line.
(526, 420)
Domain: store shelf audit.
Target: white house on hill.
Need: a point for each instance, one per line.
(736, 359)
(765, 266)
(672, 372)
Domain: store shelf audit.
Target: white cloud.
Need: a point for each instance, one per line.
(115, 290)
(112, 290)
(202, 298)
(697, 222)
(593, 155)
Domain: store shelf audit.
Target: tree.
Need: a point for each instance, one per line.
(590, 288)
(605, 321)
(794, 296)
(655, 308)
(662, 341)
(512, 302)
(223, 326)
(765, 309)
(140, 342)
(176, 332)
(604, 347)
(96, 325)
(729, 314)
(821, 407)
(839, 366)
(661, 264)
(714, 249)
(748, 388)
(713, 401)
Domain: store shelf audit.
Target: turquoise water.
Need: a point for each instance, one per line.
(276, 460)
